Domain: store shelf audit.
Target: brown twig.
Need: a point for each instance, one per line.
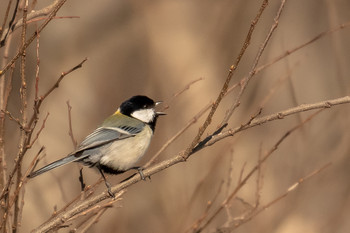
(70, 131)
(244, 82)
(32, 122)
(206, 211)
(53, 10)
(2, 42)
(278, 116)
(252, 171)
(24, 113)
(82, 206)
(37, 69)
(99, 207)
(274, 201)
(187, 87)
(38, 133)
(56, 17)
(223, 91)
(178, 134)
(13, 118)
(34, 16)
(94, 220)
(39, 101)
(290, 51)
(5, 18)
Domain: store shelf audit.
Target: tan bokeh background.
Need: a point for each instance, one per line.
(156, 48)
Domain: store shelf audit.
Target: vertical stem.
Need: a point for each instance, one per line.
(24, 135)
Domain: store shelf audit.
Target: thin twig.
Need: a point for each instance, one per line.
(13, 118)
(244, 82)
(37, 69)
(24, 113)
(38, 133)
(82, 206)
(278, 116)
(52, 14)
(274, 201)
(252, 171)
(2, 42)
(206, 211)
(178, 134)
(70, 131)
(187, 87)
(5, 18)
(31, 125)
(39, 101)
(94, 220)
(290, 51)
(56, 17)
(223, 91)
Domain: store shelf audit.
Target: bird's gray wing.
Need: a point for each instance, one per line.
(104, 135)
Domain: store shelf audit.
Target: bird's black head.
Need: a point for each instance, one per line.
(142, 108)
(136, 103)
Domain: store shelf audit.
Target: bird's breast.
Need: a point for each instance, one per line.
(122, 155)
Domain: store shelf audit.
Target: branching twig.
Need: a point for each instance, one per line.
(274, 201)
(223, 91)
(2, 29)
(53, 10)
(32, 122)
(252, 171)
(38, 133)
(24, 134)
(86, 204)
(206, 212)
(280, 115)
(2, 42)
(244, 82)
(290, 51)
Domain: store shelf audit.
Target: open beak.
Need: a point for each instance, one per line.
(159, 113)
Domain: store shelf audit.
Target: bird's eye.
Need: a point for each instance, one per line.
(145, 106)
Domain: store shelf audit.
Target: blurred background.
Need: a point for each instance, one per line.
(156, 48)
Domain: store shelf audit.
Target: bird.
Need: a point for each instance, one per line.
(119, 143)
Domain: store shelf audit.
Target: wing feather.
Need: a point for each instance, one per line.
(104, 135)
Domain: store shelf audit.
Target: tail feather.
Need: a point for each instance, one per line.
(53, 165)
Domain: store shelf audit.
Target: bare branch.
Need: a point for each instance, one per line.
(223, 91)
(280, 115)
(245, 81)
(53, 10)
(38, 133)
(31, 125)
(282, 196)
(70, 132)
(291, 51)
(61, 218)
(252, 171)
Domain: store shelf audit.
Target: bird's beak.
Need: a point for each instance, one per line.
(159, 113)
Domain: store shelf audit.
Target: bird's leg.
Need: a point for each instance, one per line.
(140, 169)
(81, 179)
(106, 182)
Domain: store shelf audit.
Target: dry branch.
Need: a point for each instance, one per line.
(86, 204)
(224, 89)
(53, 10)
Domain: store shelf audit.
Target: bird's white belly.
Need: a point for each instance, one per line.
(124, 154)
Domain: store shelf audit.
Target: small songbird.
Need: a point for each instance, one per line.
(119, 143)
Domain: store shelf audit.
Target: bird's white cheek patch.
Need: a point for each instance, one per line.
(145, 115)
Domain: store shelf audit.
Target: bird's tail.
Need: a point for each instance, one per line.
(58, 163)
